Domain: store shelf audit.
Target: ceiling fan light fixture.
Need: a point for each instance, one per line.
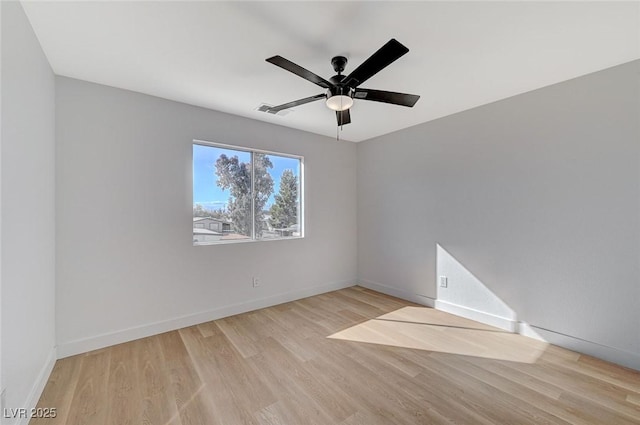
(339, 102)
(341, 89)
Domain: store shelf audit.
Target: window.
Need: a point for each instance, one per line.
(245, 195)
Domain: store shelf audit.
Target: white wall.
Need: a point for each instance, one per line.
(126, 266)
(28, 222)
(2, 394)
(538, 196)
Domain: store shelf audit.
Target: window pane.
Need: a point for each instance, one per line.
(280, 211)
(263, 190)
(221, 194)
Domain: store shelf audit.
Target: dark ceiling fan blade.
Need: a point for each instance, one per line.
(276, 109)
(386, 97)
(376, 62)
(344, 117)
(299, 71)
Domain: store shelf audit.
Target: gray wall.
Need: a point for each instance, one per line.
(538, 196)
(27, 217)
(126, 265)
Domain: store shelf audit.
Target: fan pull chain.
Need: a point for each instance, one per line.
(341, 123)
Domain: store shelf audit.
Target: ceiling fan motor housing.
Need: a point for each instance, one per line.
(339, 90)
(339, 63)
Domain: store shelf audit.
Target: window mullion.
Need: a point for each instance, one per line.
(253, 196)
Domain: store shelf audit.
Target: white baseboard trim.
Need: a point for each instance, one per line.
(527, 330)
(84, 345)
(38, 386)
(395, 292)
(479, 316)
(604, 352)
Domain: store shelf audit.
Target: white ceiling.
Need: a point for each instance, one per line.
(212, 54)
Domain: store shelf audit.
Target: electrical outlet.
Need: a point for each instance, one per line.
(256, 282)
(444, 281)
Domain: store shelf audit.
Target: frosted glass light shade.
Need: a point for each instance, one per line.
(339, 102)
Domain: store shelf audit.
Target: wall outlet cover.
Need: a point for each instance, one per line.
(444, 281)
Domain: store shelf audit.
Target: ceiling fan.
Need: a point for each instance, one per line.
(343, 89)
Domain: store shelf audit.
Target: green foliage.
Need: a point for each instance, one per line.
(200, 211)
(220, 214)
(235, 176)
(284, 212)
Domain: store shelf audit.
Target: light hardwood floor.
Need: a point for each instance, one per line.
(348, 357)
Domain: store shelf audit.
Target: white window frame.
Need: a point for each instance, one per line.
(251, 151)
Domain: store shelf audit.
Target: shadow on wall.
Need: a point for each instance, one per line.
(461, 293)
(480, 323)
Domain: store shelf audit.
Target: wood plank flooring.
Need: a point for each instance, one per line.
(347, 357)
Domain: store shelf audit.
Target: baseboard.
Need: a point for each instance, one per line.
(527, 330)
(604, 352)
(621, 357)
(84, 345)
(478, 316)
(395, 292)
(38, 386)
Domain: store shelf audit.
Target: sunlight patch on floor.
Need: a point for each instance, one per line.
(423, 328)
